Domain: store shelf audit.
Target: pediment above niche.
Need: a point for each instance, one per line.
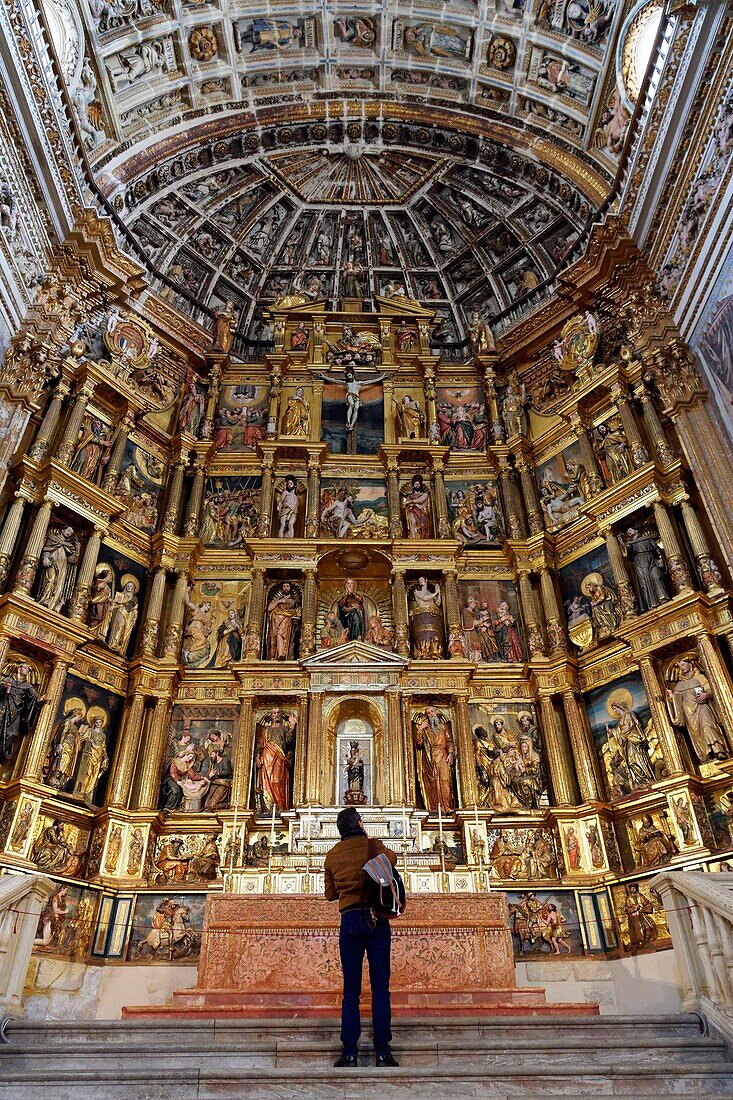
(355, 653)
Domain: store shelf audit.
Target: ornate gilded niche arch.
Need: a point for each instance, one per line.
(338, 712)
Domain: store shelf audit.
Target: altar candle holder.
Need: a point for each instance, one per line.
(307, 876)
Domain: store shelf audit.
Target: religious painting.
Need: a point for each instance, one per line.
(356, 32)
(288, 518)
(66, 923)
(214, 627)
(560, 76)
(265, 38)
(185, 857)
(624, 735)
(167, 928)
(474, 509)
(416, 507)
(639, 911)
(197, 775)
(521, 854)
(230, 511)
(23, 827)
(490, 622)
(80, 750)
(435, 758)
(508, 757)
(139, 486)
(58, 847)
(590, 598)
(544, 922)
(115, 600)
(563, 489)
(462, 421)
(274, 755)
(354, 509)
(445, 848)
(441, 40)
(241, 419)
(283, 615)
(353, 423)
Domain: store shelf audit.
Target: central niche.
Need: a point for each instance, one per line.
(354, 762)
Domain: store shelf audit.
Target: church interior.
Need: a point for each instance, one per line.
(365, 440)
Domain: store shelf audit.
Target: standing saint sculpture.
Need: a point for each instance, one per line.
(19, 708)
(416, 502)
(274, 754)
(59, 557)
(352, 612)
(649, 565)
(283, 619)
(288, 507)
(297, 418)
(123, 614)
(690, 702)
(436, 757)
(426, 619)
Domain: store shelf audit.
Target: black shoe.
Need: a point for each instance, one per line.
(387, 1059)
(345, 1060)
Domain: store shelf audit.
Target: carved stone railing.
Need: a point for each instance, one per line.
(699, 912)
(22, 897)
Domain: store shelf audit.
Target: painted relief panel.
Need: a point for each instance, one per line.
(66, 923)
(640, 914)
(474, 508)
(197, 775)
(139, 486)
(230, 511)
(490, 622)
(590, 598)
(188, 857)
(355, 611)
(167, 928)
(118, 593)
(214, 627)
(356, 508)
(428, 40)
(562, 487)
(265, 38)
(462, 421)
(624, 736)
(508, 757)
(57, 847)
(241, 419)
(80, 749)
(544, 923)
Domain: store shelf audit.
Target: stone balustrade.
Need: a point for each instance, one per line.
(22, 897)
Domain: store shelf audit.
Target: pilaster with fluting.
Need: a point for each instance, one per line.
(393, 501)
(678, 571)
(399, 613)
(174, 629)
(112, 471)
(452, 608)
(82, 590)
(556, 756)
(123, 765)
(155, 748)
(301, 744)
(314, 748)
(242, 763)
(443, 527)
(9, 534)
(74, 422)
(516, 528)
(265, 520)
(409, 754)
(588, 457)
(584, 755)
(553, 615)
(663, 726)
(253, 633)
(535, 641)
(312, 511)
(431, 410)
(656, 434)
(308, 627)
(466, 766)
(153, 613)
(173, 504)
(639, 453)
(212, 400)
(49, 424)
(394, 749)
(26, 574)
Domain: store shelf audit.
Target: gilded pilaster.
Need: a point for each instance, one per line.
(535, 640)
(512, 510)
(301, 744)
(706, 566)
(394, 750)
(212, 400)
(452, 607)
(80, 599)
(393, 502)
(720, 681)
(50, 422)
(112, 472)
(530, 494)
(588, 456)
(9, 533)
(253, 636)
(553, 617)
(312, 513)
(431, 411)
(245, 754)
(42, 733)
(678, 571)
(314, 749)
(653, 425)
(442, 525)
(409, 755)
(308, 628)
(128, 745)
(557, 763)
(464, 744)
(624, 589)
(639, 453)
(265, 520)
(155, 747)
(584, 756)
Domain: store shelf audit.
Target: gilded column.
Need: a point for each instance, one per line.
(431, 410)
(207, 428)
(245, 753)
(399, 612)
(74, 423)
(276, 389)
(316, 408)
(512, 510)
(393, 502)
(553, 616)
(151, 628)
(312, 513)
(492, 405)
(654, 428)
(39, 739)
(410, 794)
(112, 472)
(706, 565)
(301, 745)
(9, 533)
(464, 746)
(453, 611)
(530, 494)
(588, 455)
(123, 766)
(662, 724)
(173, 505)
(80, 599)
(639, 453)
(394, 750)
(624, 589)
(263, 524)
(31, 555)
(388, 391)
(313, 750)
(172, 644)
(678, 571)
(196, 496)
(50, 421)
(720, 683)
(253, 635)
(557, 764)
(535, 640)
(441, 503)
(584, 756)
(155, 747)
(308, 629)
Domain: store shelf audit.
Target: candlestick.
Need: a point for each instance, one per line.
(440, 833)
(241, 845)
(404, 825)
(232, 844)
(475, 813)
(272, 825)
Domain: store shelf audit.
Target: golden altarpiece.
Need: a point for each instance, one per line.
(486, 601)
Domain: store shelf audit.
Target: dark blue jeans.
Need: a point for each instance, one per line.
(356, 937)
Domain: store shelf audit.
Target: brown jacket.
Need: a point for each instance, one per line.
(344, 869)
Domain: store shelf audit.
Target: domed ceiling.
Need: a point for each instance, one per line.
(452, 149)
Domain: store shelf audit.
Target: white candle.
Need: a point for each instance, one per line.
(440, 832)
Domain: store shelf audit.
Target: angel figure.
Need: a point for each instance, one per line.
(353, 392)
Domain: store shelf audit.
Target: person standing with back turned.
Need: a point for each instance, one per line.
(360, 932)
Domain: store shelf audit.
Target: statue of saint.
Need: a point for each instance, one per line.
(274, 754)
(512, 407)
(604, 607)
(354, 769)
(436, 757)
(67, 743)
(94, 760)
(288, 506)
(123, 615)
(613, 451)
(480, 336)
(426, 619)
(59, 557)
(352, 612)
(416, 502)
(92, 449)
(409, 418)
(19, 708)
(297, 418)
(283, 618)
(223, 321)
(690, 702)
(649, 565)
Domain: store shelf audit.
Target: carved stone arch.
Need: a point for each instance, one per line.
(337, 711)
